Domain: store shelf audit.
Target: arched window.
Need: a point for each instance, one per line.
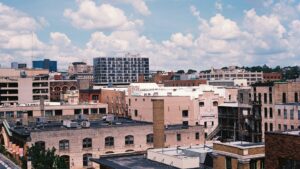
(86, 159)
(67, 160)
(64, 89)
(87, 143)
(149, 138)
(109, 141)
(72, 88)
(64, 145)
(215, 103)
(40, 144)
(57, 89)
(129, 140)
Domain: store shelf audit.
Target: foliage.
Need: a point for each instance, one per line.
(45, 159)
(191, 71)
(180, 72)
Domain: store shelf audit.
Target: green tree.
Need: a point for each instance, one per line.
(180, 72)
(191, 71)
(45, 159)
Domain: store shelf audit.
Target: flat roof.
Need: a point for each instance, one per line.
(134, 161)
(242, 144)
(295, 132)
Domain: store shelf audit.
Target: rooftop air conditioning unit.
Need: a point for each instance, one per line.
(85, 124)
(70, 124)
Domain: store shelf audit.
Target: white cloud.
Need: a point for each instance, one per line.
(138, 5)
(104, 16)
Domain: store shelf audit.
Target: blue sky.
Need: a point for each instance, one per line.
(174, 34)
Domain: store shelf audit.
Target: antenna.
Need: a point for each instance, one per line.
(32, 49)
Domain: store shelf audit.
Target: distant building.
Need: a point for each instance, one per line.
(282, 149)
(273, 76)
(45, 64)
(235, 82)
(195, 82)
(232, 73)
(120, 70)
(16, 65)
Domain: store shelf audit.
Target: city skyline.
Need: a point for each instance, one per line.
(173, 34)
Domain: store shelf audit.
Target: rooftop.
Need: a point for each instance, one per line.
(288, 132)
(133, 161)
(242, 144)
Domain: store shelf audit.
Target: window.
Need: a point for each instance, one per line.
(185, 113)
(197, 136)
(265, 98)
(298, 114)
(259, 97)
(271, 126)
(270, 98)
(85, 111)
(178, 137)
(129, 140)
(279, 126)
(292, 127)
(279, 112)
(86, 160)
(40, 144)
(94, 111)
(135, 113)
(266, 126)
(64, 145)
(285, 114)
(129, 102)
(109, 141)
(296, 97)
(95, 97)
(67, 160)
(77, 111)
(201, 104)
(149, 138)
(185, 123)
(262, 164)
(215, 103)
(253, 164)
(58, 112)
(228, 163)
(292, 114)
(30, 114)
(283, 97)
(205, 124)
(285, 127)
(241, 98)
(87, 143)
(266, 112)
(271, 112)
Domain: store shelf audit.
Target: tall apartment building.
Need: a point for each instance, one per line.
(23, 89)
(279, 105)
(232, 73)
(45, 64)
(120, 70)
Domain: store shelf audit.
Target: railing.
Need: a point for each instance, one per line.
(213, 133)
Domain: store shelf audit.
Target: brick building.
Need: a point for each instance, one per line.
(282, 149)
(273, 76)
(239, 155)
(89, 95)
(60, 87)
(115, 99)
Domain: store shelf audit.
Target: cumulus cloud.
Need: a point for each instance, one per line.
(103, 16)
(138, 5)
(218, 6)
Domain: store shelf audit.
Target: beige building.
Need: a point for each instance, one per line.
(82, 140)
(182, 105)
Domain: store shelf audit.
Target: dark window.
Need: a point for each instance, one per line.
(185, 123)
(86, 160)
(67, 160)
(77, 111)
(279, 112)
(135, 113)
(149, 138)
(129, 140)
(283, 97)
(102, 110)
(30, 114)
(266, 126)
(64, 145)
(40, 144)
(253, 164)
(205, 124)
(197, 136)
(201, 104)
(95, 97)
(178, 136)
(265, 98)
(296, 97)
(270, 98)
(58, 112)
(129, 102)
(228, 163)
(292, 127)
(85, 111)
(241, 97)
(109, 141)
(279, 126)
(259, 97)
(87, 143)
(215, 103)
(266, 112)
(94, 111)
(185, 113)
(271, 112)
(271, 126)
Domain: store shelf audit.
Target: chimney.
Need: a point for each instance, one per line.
(158, 123)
